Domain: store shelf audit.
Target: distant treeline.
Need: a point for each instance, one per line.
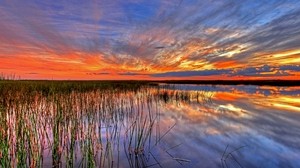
(236, 82)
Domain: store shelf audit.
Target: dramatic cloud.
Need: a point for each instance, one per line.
(192, 73)
(130, 74)
(99, 73)
(170, 38)
(262, 71)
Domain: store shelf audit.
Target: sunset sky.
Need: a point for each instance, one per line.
(151, 39)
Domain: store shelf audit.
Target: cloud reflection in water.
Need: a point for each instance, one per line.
(265, 119)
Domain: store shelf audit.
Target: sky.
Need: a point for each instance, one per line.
(150, 39)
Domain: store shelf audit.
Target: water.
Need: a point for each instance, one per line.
(261, 123)
(174, 126)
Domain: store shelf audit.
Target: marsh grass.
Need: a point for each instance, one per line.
(82, 124)
(4, 141)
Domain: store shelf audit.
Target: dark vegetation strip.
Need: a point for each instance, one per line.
(235, 82)
(88, 85)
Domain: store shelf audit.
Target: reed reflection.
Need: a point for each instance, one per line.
(149, 125)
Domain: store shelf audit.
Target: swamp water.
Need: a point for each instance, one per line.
(165, 126)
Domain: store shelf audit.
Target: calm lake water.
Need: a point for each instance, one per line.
(174, 126)
(259, 123)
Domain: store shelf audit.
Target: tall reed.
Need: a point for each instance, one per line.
(73, 123)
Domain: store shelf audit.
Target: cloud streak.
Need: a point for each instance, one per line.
(262, 71)
(164, 38)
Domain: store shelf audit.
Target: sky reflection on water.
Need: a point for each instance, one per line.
(263, 120)
(168, 126)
